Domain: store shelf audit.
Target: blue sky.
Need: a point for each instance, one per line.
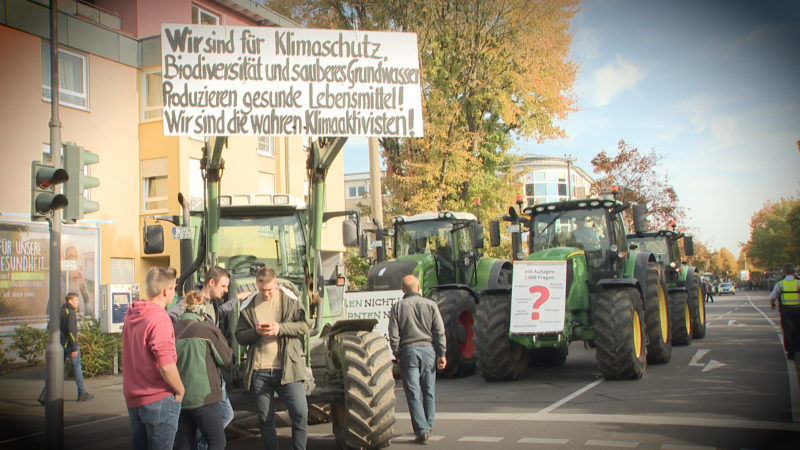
(712, 86)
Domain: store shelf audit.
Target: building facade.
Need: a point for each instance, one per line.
(548, 179)
(110, 104)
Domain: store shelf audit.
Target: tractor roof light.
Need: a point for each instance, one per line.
(582, 204)
(551, 207)
(539, 209)
(594, 203)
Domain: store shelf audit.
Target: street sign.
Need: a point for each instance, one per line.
(182, 232)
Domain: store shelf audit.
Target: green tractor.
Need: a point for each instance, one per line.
(686, 296)
(579, 282)
(443, 250)
(351, 382)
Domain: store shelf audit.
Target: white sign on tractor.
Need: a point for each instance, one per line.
(538, 297)
(266, 81)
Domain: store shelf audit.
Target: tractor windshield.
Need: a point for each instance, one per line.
(276, 242)
(433, 236)
(582, 228)
(657, 245)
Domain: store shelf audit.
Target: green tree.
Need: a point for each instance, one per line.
(775, 233)
(727, 263)
(639, 182)
(492, 72)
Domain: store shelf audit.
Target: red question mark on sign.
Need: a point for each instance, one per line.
(544, 294)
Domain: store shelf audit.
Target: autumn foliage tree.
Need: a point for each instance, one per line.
(775, 234)
(491, 71)
(639, 182)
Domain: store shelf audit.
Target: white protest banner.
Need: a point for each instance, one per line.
(538, 297)
(260, 81)
(372, 305)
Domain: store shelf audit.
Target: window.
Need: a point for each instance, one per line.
(151, 92)
(356, 191)
(155, 195)
(266, 146)
(72, 83)
(203, 17)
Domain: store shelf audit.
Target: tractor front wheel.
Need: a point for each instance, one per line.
(697, 308)
(681, 318)
(620, 341)
(365, 418)
(656, 317)
(497, 357)
(458, 313)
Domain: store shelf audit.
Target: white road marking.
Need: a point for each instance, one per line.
(481, 439)
(571, 396)
(615, 444)
(791, 369)
(550, 441)
(735, 323)
(697, 356)
(713, 364)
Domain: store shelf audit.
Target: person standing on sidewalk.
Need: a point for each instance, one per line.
(787, 293)
(202, 350)
(417, 339)
(151, 383)
(69, 341)
(271, 325)
(707, 287)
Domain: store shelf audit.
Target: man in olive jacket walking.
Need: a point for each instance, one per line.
(271, 326)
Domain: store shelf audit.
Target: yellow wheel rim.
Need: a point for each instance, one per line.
(662, 312)
(637, 334)
(702, 307)
(688, 318)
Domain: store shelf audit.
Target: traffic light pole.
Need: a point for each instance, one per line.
(54, 356)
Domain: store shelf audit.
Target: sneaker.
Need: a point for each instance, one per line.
(85, 397)
(422, 439)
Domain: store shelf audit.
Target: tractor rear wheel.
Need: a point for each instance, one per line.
(680, 318)
(620, 341)
(656, 317)
(365, 418)
(497, 357)
(458, 313)
(698, 309)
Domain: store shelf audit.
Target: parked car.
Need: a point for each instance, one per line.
(726, 288)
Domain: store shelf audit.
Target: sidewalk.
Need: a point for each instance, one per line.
(22, 418)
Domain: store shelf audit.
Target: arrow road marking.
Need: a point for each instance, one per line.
(712, 365)
(700, 353)
(735, 323)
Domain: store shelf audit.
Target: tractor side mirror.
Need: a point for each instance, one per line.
(350, 233)
(477, 234)
(639, 218)
(688, 246)
(153, 239)
(494, 233)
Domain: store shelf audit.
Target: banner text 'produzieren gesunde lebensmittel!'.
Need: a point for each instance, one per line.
(264, 81)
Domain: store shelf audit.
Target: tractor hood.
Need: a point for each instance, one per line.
(387, 275)
(554, 254)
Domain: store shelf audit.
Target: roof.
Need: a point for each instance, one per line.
(441, 215)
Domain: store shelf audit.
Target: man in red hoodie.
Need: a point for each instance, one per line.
(150, 380)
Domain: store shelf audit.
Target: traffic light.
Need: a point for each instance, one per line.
(75, 161)
(44, 199)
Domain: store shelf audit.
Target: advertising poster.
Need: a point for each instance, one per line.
(259, 81)
(538, 297)
(25, 270)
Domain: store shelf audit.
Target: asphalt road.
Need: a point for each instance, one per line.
(732, 389)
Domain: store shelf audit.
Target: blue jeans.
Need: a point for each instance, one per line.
(226, 412)
(76, 370)
(418, 369)
(262, 388)
(153, 426)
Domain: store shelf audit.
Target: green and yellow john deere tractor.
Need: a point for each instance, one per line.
(685, 289)
(443, 250)
(579, 282)
(351, 383)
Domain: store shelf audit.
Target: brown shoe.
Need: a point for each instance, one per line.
(422, 439)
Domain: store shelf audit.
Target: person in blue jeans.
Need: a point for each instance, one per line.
(417, 339)
(271, 326)
(151, 383)
(69, 341)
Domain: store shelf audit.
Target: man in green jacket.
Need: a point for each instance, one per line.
(201, 349)
(271, 326)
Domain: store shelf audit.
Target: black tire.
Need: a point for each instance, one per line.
(620, 329)
(458, 313)
(680, 318)
(497, 357)
(365, 419)
(697, 308)
(656, 317)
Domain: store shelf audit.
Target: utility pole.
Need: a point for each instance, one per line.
(54, 356)
(376, 192)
